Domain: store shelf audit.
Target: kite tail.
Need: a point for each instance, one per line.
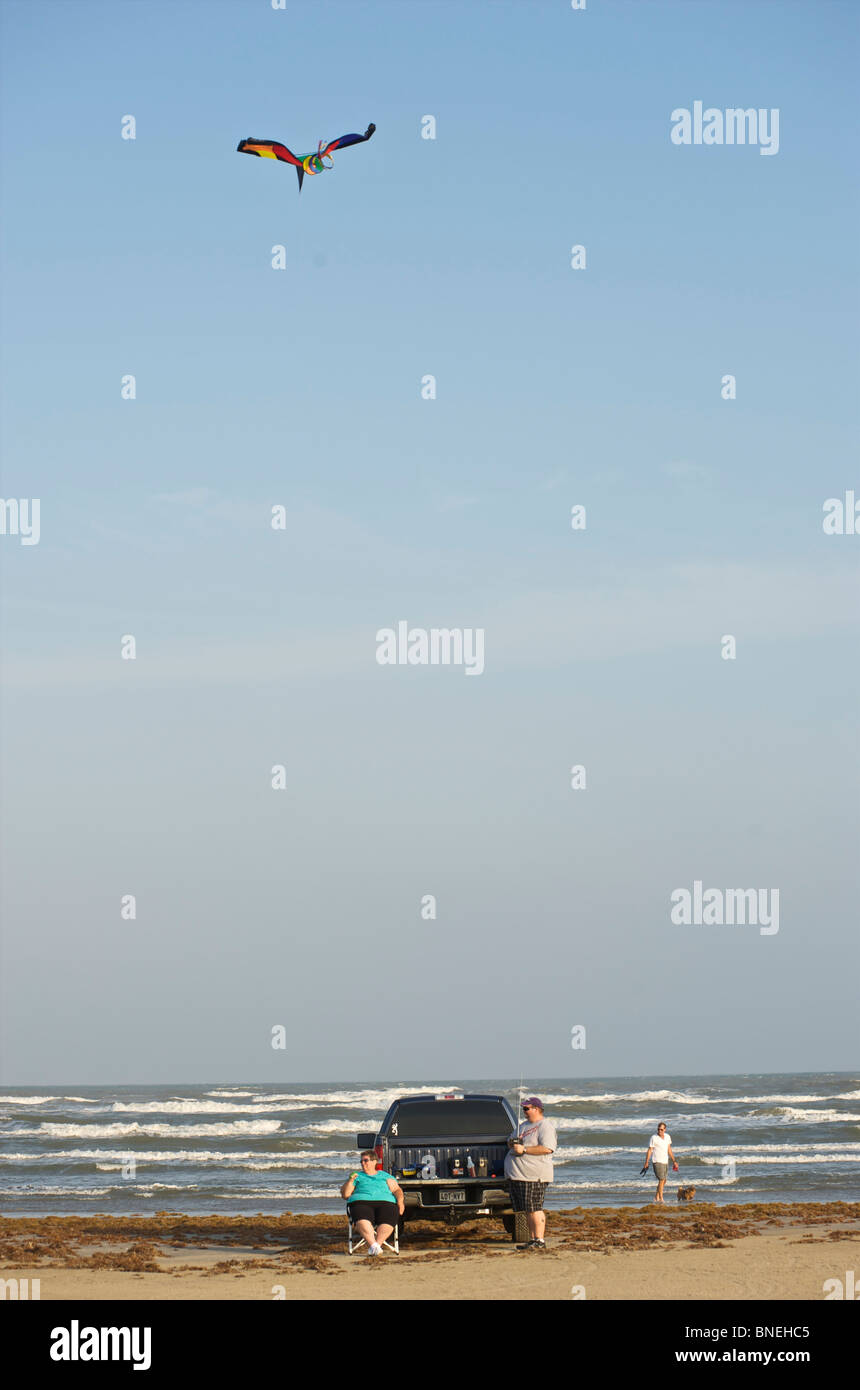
(301, 173)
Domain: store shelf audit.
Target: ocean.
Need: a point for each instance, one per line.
(243, 1149)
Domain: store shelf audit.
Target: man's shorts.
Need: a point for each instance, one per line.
(527, 1196)
(377, 1213)
(661, 1171)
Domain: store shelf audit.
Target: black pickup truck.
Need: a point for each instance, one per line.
(464, 1139)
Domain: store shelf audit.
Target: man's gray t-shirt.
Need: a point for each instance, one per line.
(533, 1167)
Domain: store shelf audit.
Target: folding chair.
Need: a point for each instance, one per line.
(355, 1242)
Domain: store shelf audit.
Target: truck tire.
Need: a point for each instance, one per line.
(517, 1226)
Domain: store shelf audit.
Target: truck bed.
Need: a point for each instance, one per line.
(409, 1156)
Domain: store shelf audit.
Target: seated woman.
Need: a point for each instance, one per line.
(373, 1199)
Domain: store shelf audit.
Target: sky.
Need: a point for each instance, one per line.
(441, 504)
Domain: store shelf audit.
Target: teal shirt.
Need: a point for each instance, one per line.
(373, 1187)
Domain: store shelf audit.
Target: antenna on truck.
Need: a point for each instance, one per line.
(517, 1104)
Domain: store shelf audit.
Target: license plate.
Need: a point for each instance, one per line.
(452, 1194)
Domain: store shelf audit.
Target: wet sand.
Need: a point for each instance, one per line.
(694, 1251)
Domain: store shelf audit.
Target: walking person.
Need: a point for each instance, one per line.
(660, 1145)
(528, 1168)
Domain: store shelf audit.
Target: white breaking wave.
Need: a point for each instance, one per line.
(792, 1114)
(845, 1144)
(302, 1157)
(569, 1153)
(786, 1158)
(640, 1185)
(278, 1194)
(30, 1100)
(365, 1099)
(127, 1190)
(643, 1125)
(790, 1100)
(231, 1091)
(846, 1151)
(329, 1127)
(686, 1098)
(127, 1131)
(351, 1100)
(191, 1107)
(44, 1100)
(629, 1098)
(29, 1190)
(143, 1189)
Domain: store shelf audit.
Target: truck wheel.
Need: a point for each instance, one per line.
(517, 1226)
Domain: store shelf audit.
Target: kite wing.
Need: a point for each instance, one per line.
(268, 149)
(345, 140)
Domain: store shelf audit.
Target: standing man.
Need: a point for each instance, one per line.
(660, 1145)
(528, 1168)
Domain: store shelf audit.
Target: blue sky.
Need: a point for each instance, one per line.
(302, 387)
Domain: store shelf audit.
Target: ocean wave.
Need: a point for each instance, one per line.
(128, 1131)
(133, 1184)
(146, 1192)
(366, 1098)
(685, 1098)
(571, 1152)
(636, 1124)
(779, 1158)
(628, 1098)
(349, 1100)
(48, 1100)
(642, 1185)
(190, 1107)
(27, 1100)
(278, 1194)
(231, 1091)
(29, 1190)
(791, 1113)
(790, 1100)
(250, 1163)
(845, 1144)
(275, 1194)
(192, 1156)
(329, 1127)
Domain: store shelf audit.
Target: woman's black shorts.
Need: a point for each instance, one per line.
(377, 1213)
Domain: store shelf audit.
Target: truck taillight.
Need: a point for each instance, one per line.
(378, 1151)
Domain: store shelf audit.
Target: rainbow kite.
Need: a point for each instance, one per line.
(303, 163)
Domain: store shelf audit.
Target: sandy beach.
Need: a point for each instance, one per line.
(699, 1251)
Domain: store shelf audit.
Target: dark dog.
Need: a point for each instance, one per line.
(686, 1194)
